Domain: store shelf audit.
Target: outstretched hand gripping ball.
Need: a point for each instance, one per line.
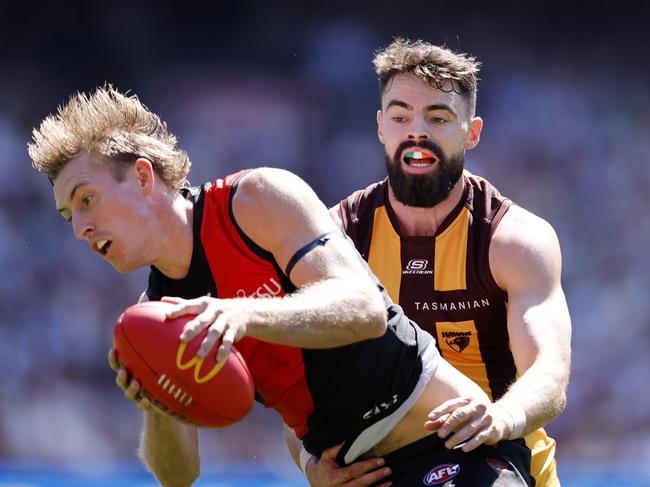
(195, 390)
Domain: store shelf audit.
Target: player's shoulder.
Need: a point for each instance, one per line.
(369, 192)
(269, 186)
(363, 202)
(523, 234)
(262, 179)
(522, 227)
(523, 243)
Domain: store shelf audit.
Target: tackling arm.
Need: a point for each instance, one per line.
(526, 261)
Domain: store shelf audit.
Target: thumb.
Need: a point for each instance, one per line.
(331, 452)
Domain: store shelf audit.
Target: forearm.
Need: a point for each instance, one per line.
(525, 260)
(326, 314)
(543, 356)
(169, 449)
(540, 392)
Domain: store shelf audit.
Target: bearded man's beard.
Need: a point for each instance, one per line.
(424, 190)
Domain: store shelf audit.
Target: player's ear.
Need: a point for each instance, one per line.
(145, 174)
(380, 133)
(474, 133)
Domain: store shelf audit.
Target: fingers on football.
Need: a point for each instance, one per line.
(196, 325)
(226, 344)
(144, 403)
(112, 360)
(121, 379)
(184, 307)
(214, 332)
(131, 391)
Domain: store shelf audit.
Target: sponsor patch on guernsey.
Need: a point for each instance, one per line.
(441, 474)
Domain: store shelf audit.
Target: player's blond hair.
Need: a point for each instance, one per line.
(110, 125)
(438, 66)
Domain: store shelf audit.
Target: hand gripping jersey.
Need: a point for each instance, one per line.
(444, 283)
(352, 394)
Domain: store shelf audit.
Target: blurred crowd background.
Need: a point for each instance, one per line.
(565, 99)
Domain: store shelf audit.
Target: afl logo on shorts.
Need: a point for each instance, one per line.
(441, 473)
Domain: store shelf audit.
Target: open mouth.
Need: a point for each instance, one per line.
(419, 159)
(103, 246)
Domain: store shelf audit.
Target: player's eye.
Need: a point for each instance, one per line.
(87, 199)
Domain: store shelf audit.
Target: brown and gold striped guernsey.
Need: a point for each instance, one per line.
(443, 282)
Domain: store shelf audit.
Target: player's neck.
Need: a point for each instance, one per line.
(414, 221)
(175, 239)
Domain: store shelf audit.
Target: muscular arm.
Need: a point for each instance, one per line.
(336, 303)
(325, 472)
(526, 261)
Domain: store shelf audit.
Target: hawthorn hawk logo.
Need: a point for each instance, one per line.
(457, 340)
(458, 344)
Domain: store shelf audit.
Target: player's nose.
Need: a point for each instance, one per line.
(82, 228)
(418, 129)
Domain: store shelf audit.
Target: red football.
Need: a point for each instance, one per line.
(192, 389)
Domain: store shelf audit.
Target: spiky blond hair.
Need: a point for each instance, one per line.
(110, 125)
(438, 66)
